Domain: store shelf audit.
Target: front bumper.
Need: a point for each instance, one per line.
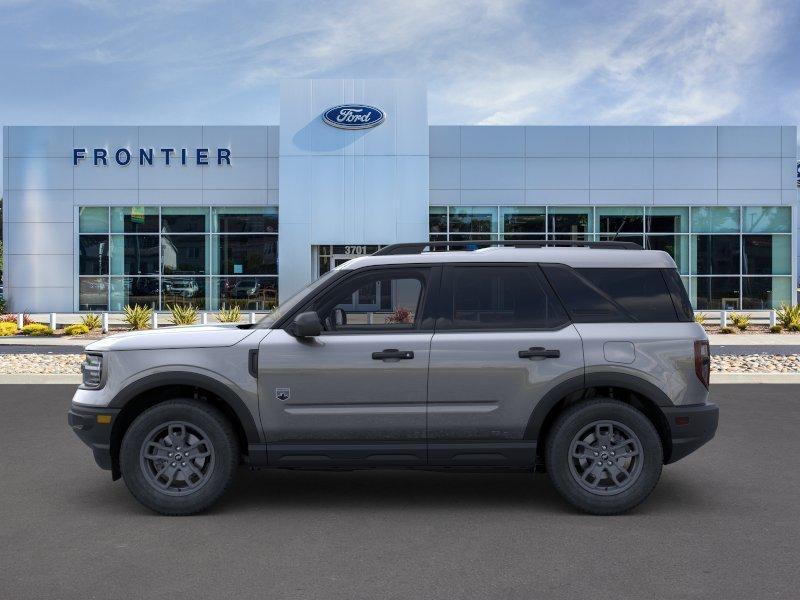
(690, 427)
(94, 432)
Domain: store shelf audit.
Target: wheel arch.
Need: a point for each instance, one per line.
(630, 389)
(153, 389)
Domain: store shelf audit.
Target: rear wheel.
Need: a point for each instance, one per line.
(604, 456)
(179, 457)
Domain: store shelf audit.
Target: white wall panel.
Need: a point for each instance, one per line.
(492, 173)
(445, 173)
(273, 140)
(789, 173)
(243, 140)
(445, 140)
(492, 141)
(235, 198)
(758, 197)
(379, 206)
(741, 141)
(157, 137)
(557, 141)
(483, 197)
(444, 197)
(412, 131)
(621, 173)
(686, 141)
(749, 173)
(105, 197)
(295, 197)
(37, 141)
(620, 197)
(35, 270)
(273, 173)
(789, 197)
(108, 177)
(328, 203)
(41, 238)
(560, 197)
(39, 173)
(38, 206)
(111, 138)
(686, 197)
(557, 173)
(41, 299)
(171, 197)
(685, 173)
(242, 173)
(411, 189)
(616, 141)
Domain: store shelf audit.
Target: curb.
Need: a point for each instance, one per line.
(40, 378)
(720, 378)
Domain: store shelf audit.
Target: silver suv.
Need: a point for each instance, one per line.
(584, 362)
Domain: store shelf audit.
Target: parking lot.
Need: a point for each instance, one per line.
(723, 523)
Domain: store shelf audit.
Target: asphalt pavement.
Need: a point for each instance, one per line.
(722, 523)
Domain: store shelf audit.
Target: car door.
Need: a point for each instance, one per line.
(502, 342)
(357, 392)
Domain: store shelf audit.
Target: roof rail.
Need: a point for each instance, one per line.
(419, 247)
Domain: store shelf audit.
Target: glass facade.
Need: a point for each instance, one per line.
(729, 257)
(161, 256)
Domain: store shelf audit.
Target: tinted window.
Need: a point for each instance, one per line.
(643, 293)
(680, 299)
(585, 302)
(501, 298)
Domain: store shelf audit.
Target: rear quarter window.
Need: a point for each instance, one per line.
(608, 295)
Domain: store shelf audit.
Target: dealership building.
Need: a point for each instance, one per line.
(97, 217)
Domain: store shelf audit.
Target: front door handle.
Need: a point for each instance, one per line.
(391, 353)
(539, 352)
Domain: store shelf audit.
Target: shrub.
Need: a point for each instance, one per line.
(740, 321)
(76, 329)
(91, 321)
(137, 317)
(788, 314)
(775, 329)
(400, 315)
(8, 328)
(183, 315)
(2, 305)
(12, 318)
(793, 327)
(37, 329)
(726, 330)
(700, 318)
(229, 315)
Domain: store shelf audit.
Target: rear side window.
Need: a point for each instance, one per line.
(614, 295)
(499, 297)
(683, 306)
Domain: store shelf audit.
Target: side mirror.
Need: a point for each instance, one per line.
(306, 325)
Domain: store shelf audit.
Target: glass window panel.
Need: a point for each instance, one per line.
(183, 291)
(184, 219)
(247, 254)
(248, 293)
(134, 219)
(246, 219)
(766, 255)
(183, 254)
(715, 219)
(93, 293)
(578, 237)
(641, 292)
(667, 219)
(765, 292)
(524, 236)
(715, 254)
(716, 293)
(437, 219)
(134, 254)
(93, 219)
(471, 237)
(767, 219)
(134, 290)
(478, 219)
(93, 258)
(567, 219)
(524, 219)
(622, 219)
(636, 239)
(585, 303)
(677, 246)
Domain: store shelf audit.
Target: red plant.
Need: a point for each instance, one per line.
(400, 315)
(12, 318)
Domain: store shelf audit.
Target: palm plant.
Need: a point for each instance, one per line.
(229, 315)
(137, 317)
(183, 314)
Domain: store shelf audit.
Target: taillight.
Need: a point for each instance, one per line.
(702, 361)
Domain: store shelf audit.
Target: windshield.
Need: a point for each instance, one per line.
(291, 303)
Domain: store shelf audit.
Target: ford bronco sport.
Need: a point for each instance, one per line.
(582, 360)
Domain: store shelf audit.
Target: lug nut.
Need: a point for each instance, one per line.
(170, 454)
(612, 453)
(599, 463)
(603, 447)
(184, 464)
(173, 464)
(609, 463)
(597, 454)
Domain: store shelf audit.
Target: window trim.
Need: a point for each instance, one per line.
(443, 324)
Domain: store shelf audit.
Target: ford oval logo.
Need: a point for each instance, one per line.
(353, 116)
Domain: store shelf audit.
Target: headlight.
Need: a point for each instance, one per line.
(92, 370)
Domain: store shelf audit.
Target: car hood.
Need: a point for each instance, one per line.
(192, 336)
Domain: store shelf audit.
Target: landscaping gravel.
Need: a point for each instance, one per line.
(63, 364)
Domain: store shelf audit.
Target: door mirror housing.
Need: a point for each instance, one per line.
(306, 325)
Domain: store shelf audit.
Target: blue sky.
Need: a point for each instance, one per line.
(485, 61)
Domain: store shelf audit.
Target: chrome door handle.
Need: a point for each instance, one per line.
(539, 352)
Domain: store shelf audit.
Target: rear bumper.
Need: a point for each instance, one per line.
(690, 427)
(97, 436)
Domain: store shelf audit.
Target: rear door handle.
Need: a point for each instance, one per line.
(391, 353)
(539, 352)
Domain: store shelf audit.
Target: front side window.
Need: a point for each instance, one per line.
(508, 298)
(382, 300)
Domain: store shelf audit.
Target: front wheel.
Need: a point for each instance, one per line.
(179, 457)
(604, 456)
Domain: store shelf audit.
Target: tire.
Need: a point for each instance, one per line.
(156, 469)
(589, 433)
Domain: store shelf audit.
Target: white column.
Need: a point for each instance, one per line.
(52, 320)
(104, 322)
(154, 320)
